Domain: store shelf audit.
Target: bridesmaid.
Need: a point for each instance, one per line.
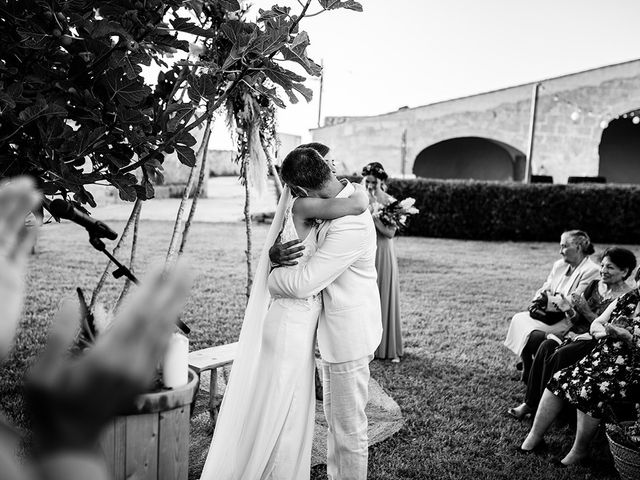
(386, 265)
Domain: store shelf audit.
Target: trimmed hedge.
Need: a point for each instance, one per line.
(513, 211)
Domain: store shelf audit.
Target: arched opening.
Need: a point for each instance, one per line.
(471, 157)
(620, 149)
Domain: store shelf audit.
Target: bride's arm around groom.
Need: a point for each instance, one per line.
(343, 269)
(345, 242)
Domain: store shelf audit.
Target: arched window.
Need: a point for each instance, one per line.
(620, 149)
(470, 158)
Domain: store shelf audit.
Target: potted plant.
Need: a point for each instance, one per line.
(624, 442)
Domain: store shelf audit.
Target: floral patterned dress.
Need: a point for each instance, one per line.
(609, 373)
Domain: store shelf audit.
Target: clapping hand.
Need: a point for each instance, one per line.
(71, 399)
(579, 303)
(562, 303)
(621, 333)
(18, 197)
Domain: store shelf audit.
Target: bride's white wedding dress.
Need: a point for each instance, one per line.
(265, 426)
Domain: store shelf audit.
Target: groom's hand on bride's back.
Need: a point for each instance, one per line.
(285, 254)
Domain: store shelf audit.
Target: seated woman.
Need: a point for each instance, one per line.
(581, 310)
(604, 376)
(573, 273)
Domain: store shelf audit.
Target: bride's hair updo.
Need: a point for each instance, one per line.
(375, 169)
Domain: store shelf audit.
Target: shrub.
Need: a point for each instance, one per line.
(513, 211)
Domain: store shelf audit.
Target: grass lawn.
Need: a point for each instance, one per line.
(453, 385)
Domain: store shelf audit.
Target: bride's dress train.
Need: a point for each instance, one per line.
(266, 422)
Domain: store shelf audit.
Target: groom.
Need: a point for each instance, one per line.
(350, 326)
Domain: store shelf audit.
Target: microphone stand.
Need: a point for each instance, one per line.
(122, 270)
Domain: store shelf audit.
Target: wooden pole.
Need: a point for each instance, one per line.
(273, 171)
(204, 174)
(178, 226)
(132, 217)
(320, 94)
(403, 152)
(532, 132)
(247, 222)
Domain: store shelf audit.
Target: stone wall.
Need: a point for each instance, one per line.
(222, 162)
(562, 147)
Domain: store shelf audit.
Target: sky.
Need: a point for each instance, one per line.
(414, 52)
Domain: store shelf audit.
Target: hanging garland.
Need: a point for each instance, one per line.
(604, 117)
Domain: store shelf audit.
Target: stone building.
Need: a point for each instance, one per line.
(587, 125)
(222, 162)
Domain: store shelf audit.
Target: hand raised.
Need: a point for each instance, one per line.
(71, 399)
(579, 302)
(18, 197)
(562, 303)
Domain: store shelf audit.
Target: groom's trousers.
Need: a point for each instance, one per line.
(346, 392)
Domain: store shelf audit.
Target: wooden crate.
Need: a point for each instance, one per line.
(152, 441)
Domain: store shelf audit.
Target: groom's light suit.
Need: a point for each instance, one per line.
(349, 330)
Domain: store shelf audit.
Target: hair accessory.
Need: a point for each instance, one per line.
(375, 169)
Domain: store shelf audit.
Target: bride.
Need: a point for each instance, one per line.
(266, 421)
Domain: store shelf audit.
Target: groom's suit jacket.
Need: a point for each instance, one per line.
(344, 270)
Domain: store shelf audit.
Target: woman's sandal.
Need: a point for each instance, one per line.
(512, 412)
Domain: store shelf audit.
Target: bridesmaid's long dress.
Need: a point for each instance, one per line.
(387, 266)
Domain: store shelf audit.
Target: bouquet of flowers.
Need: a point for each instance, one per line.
(396, 213)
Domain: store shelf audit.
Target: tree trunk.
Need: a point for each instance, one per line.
(198, 191)
(273, 171)
(178, 226)
(134, 213)
(247, 222)
(132, 261)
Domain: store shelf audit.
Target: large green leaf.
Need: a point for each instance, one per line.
(307, 93)
(145, 190)
(283, 77)
(180, 114)
(201, 87)
(166, 42)
(269, 42)
(230, 5)
(233, 57)
(83, 196)
(34, 40)
(125, 185)
(41, 109)
(186, 139)
(105, 28)
(276, 11)
(271, 93)
(131, 116)
(128, 92)
(6, 103)
(186, 155)
(298, 53)
(184, 25)
(88, 139)
(334, 4)
(131, 62)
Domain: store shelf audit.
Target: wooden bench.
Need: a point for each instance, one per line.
(211, 359)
